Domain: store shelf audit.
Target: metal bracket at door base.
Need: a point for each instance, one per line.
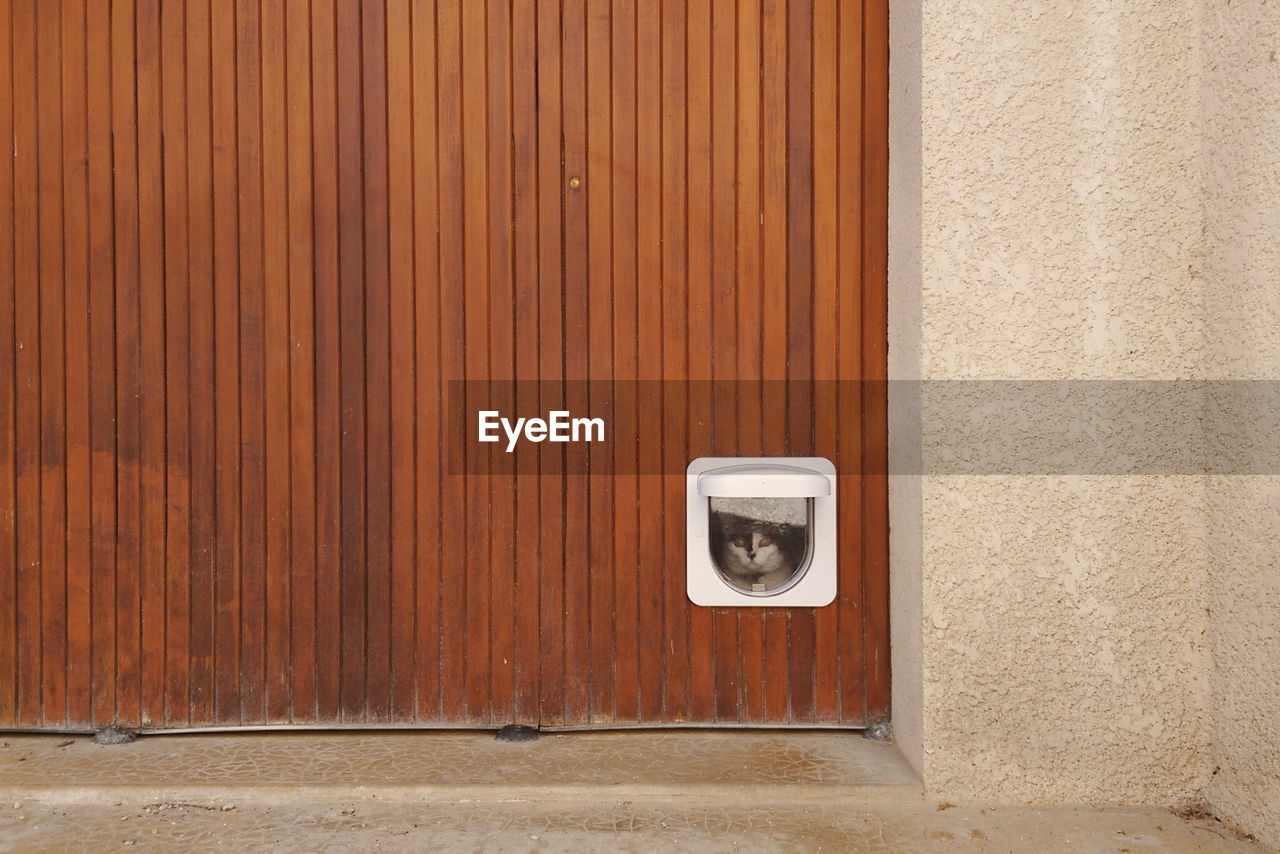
(879, 732)
(517, 733)
(115, 735)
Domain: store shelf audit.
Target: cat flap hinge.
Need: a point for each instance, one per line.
(763, 481)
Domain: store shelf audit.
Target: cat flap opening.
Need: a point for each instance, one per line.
(761, 531)
(760, 545)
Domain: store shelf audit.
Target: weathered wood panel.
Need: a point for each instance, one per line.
(246, 246)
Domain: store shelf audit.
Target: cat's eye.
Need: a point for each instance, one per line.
(765, 541)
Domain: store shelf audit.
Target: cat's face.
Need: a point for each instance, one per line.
(752, 553)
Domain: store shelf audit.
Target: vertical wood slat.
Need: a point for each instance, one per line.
(525, 205)
(675, 356)
(702, 624)
(774, 108)
(177, 373)
(577, 579)
(599, 259)
(351, 350)
(251, 244)
(8, 398)
(151, 340)
(252, 334)
(750, 319)
(377, 379)
(400, 307)
(875, 319)
(52, 285)
(723, 314)
(429, 430)
(278, 283)
(301, 356)
(202, 612)
(327, 220)
(800, 311)
(550, 338)
(476, 321)
(26, 365)
(849, 117)
(626, 553)
(76, 260)
(453, 533)
(128, 641)
(650, 620)
(826, 245)
(226, 370)
(503, 311)
(102, 373)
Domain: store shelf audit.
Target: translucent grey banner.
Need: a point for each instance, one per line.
(937, 427)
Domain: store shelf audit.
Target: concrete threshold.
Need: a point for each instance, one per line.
(641, 792)
(795, 768)
(287, 794)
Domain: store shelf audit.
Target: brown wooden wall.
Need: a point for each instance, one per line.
(244, 247)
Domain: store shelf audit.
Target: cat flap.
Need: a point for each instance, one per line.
(763, 481)
(761, 531)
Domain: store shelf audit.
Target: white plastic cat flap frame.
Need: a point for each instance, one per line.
(761, 531)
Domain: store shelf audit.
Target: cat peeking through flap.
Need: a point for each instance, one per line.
(759, 544)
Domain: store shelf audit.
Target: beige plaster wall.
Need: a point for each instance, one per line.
(1241, 113)
(1046, 223)
(1088, 190)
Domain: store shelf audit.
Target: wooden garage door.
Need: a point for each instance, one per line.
(245, 249)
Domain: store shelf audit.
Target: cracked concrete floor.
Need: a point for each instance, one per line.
(641, 792)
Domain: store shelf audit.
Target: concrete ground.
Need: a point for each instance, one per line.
(644, 792)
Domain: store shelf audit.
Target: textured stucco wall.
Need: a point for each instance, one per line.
(1046, 223)
(1241, 271)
